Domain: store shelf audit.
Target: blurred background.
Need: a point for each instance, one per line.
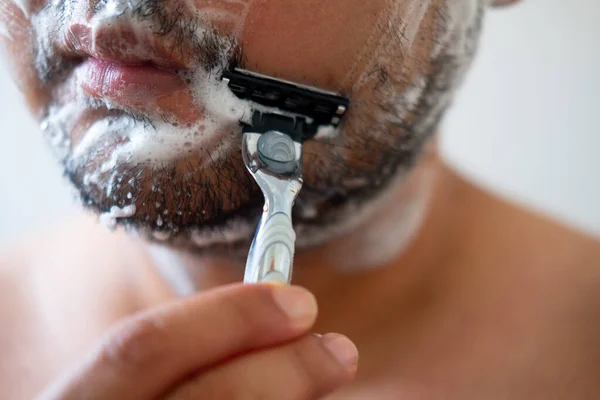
(526, 124)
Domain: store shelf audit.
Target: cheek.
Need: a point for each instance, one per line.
(310, 41)
(227, 16)
(27, 6)
(19, 54)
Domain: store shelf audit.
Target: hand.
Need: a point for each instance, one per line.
(236, 342)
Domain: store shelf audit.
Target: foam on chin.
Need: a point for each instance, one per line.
(4, 31)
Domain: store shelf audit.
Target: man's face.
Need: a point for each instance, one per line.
(128, 95)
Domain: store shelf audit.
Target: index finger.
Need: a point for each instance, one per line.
(147, 354)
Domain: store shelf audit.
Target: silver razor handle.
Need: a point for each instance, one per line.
(275, 162)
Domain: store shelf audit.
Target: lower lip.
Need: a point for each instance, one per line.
(138, 87)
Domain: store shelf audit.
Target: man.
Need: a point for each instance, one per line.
(446, 292)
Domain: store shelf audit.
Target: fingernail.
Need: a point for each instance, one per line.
(299, 304)
(342, 349)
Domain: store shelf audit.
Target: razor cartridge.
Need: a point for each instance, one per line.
(314, 107)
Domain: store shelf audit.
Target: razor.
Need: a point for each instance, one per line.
(288, 114)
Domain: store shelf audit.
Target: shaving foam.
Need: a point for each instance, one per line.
(326, 132)
(232, 11)
(400, 19)
(4, 30)
(235, 230)
(109, 219)
(459, 13)
(56, 127)
(458, 44)
(24, 5)
(160, 142)
(405, 23)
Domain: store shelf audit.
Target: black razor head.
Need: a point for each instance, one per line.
(317, 106)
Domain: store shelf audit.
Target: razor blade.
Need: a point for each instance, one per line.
(313, 107)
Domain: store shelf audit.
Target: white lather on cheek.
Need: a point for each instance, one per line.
(378, 236)
(234, 12)
(24, 5)
(4, 31)
(459, 44)
(458, 13)
(407, 17)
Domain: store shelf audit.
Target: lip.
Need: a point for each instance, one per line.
(132, 70)
(142, 88)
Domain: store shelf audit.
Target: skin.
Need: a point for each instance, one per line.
(485, 301)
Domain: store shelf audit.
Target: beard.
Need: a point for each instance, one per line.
(201, 197)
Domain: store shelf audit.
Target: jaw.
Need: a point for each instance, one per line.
(399, 90)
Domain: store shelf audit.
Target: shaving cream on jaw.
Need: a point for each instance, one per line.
(161, 142)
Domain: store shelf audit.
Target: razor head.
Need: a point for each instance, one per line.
(314, 107)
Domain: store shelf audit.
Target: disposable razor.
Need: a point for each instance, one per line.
(272, 148)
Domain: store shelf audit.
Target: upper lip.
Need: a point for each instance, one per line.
(122, 45)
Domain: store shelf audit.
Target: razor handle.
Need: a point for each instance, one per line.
(275, 162)
(271, 255)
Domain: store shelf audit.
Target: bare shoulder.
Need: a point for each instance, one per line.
(512, 228)
(553, 240)
(59, 292)
(21, 346)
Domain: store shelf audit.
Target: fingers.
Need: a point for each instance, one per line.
(306, 369)
(148, 354)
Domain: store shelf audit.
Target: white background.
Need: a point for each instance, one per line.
(525, 125)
